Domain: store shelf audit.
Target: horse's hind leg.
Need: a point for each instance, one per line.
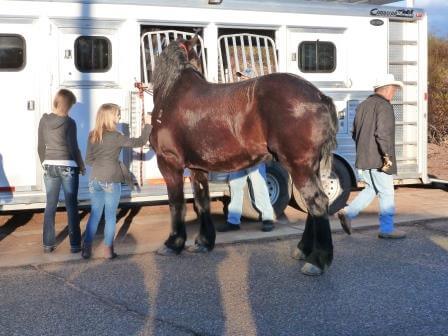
(175, 185)
(205, 241)
(316, 243)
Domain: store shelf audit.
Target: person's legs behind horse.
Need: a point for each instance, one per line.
(261, 196)
(237, 181)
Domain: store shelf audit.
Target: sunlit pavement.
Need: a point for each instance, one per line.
(143, 229)
(374, 287)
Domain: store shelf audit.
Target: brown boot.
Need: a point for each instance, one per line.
(109, 252)
(346, 222)
(86, 252)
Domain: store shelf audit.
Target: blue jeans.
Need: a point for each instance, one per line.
(237, 181)
(68, 178)
(377, 183)
(103, 195)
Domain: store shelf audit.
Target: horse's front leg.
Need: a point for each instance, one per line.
(173, 175)
(205, 241)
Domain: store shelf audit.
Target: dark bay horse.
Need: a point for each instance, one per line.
(227, 127)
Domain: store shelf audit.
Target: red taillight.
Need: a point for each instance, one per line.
(7, 189)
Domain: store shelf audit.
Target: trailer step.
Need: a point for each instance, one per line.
(403, 63)
(438, 181)
(402, 42)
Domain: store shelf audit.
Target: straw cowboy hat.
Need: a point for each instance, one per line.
(386, 80)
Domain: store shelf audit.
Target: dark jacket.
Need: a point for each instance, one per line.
(374, 133)
(104, 156)
(57, 139)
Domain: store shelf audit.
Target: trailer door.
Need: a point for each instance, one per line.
(18, 107)
(88, 60)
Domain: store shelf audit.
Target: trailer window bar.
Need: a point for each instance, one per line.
(152, 43)
(238, 52)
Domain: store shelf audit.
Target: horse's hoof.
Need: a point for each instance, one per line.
(198, 249)
(166, 251)
(298, 254)
(311, 270)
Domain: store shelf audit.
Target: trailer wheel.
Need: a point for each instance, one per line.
(337, 188)
(280, 191)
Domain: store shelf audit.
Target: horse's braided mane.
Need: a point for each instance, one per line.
(168, 68)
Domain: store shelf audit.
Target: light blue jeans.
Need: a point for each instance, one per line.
(377, 183)
(103, 195)
(237, 181)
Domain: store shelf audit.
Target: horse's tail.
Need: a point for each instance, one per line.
(330, 143)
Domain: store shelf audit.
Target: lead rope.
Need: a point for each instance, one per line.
(141, 91)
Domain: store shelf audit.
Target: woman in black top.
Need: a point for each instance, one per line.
(62, 162)
(103, 151)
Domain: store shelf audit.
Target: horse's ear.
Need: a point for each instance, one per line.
(194, 40)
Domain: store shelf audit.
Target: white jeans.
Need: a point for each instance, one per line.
(237, 181)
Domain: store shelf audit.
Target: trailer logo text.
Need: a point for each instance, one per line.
(401, 12)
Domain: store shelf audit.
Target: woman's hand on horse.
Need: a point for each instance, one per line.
(148, 119)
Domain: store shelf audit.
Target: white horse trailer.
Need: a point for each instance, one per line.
(99, 49)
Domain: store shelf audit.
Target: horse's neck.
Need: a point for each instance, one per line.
(194, 74)
(188, 79)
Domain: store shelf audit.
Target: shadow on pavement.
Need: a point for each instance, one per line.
(189, 298)
(12, 224)
(129, 213)
(64, 233)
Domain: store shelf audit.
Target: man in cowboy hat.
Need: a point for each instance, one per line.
(374, 134)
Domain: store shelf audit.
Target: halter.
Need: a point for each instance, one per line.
(185, 49)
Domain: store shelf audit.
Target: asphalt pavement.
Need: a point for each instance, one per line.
(374, 287)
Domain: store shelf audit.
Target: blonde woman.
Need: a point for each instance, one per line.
(62, 163)
(103, 150)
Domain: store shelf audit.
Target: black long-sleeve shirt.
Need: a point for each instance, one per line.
(374, 133)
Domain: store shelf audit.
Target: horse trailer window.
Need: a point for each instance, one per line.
(317, 56)
(12, 52)
(93, 54)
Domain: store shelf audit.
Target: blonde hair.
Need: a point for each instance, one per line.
(64, 100)
(105, 121)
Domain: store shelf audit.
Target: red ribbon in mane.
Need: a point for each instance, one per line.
(184, 47)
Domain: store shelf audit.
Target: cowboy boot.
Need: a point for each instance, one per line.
(86, 251)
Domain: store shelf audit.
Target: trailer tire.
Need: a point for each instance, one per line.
(280, 191)
(337, 188)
